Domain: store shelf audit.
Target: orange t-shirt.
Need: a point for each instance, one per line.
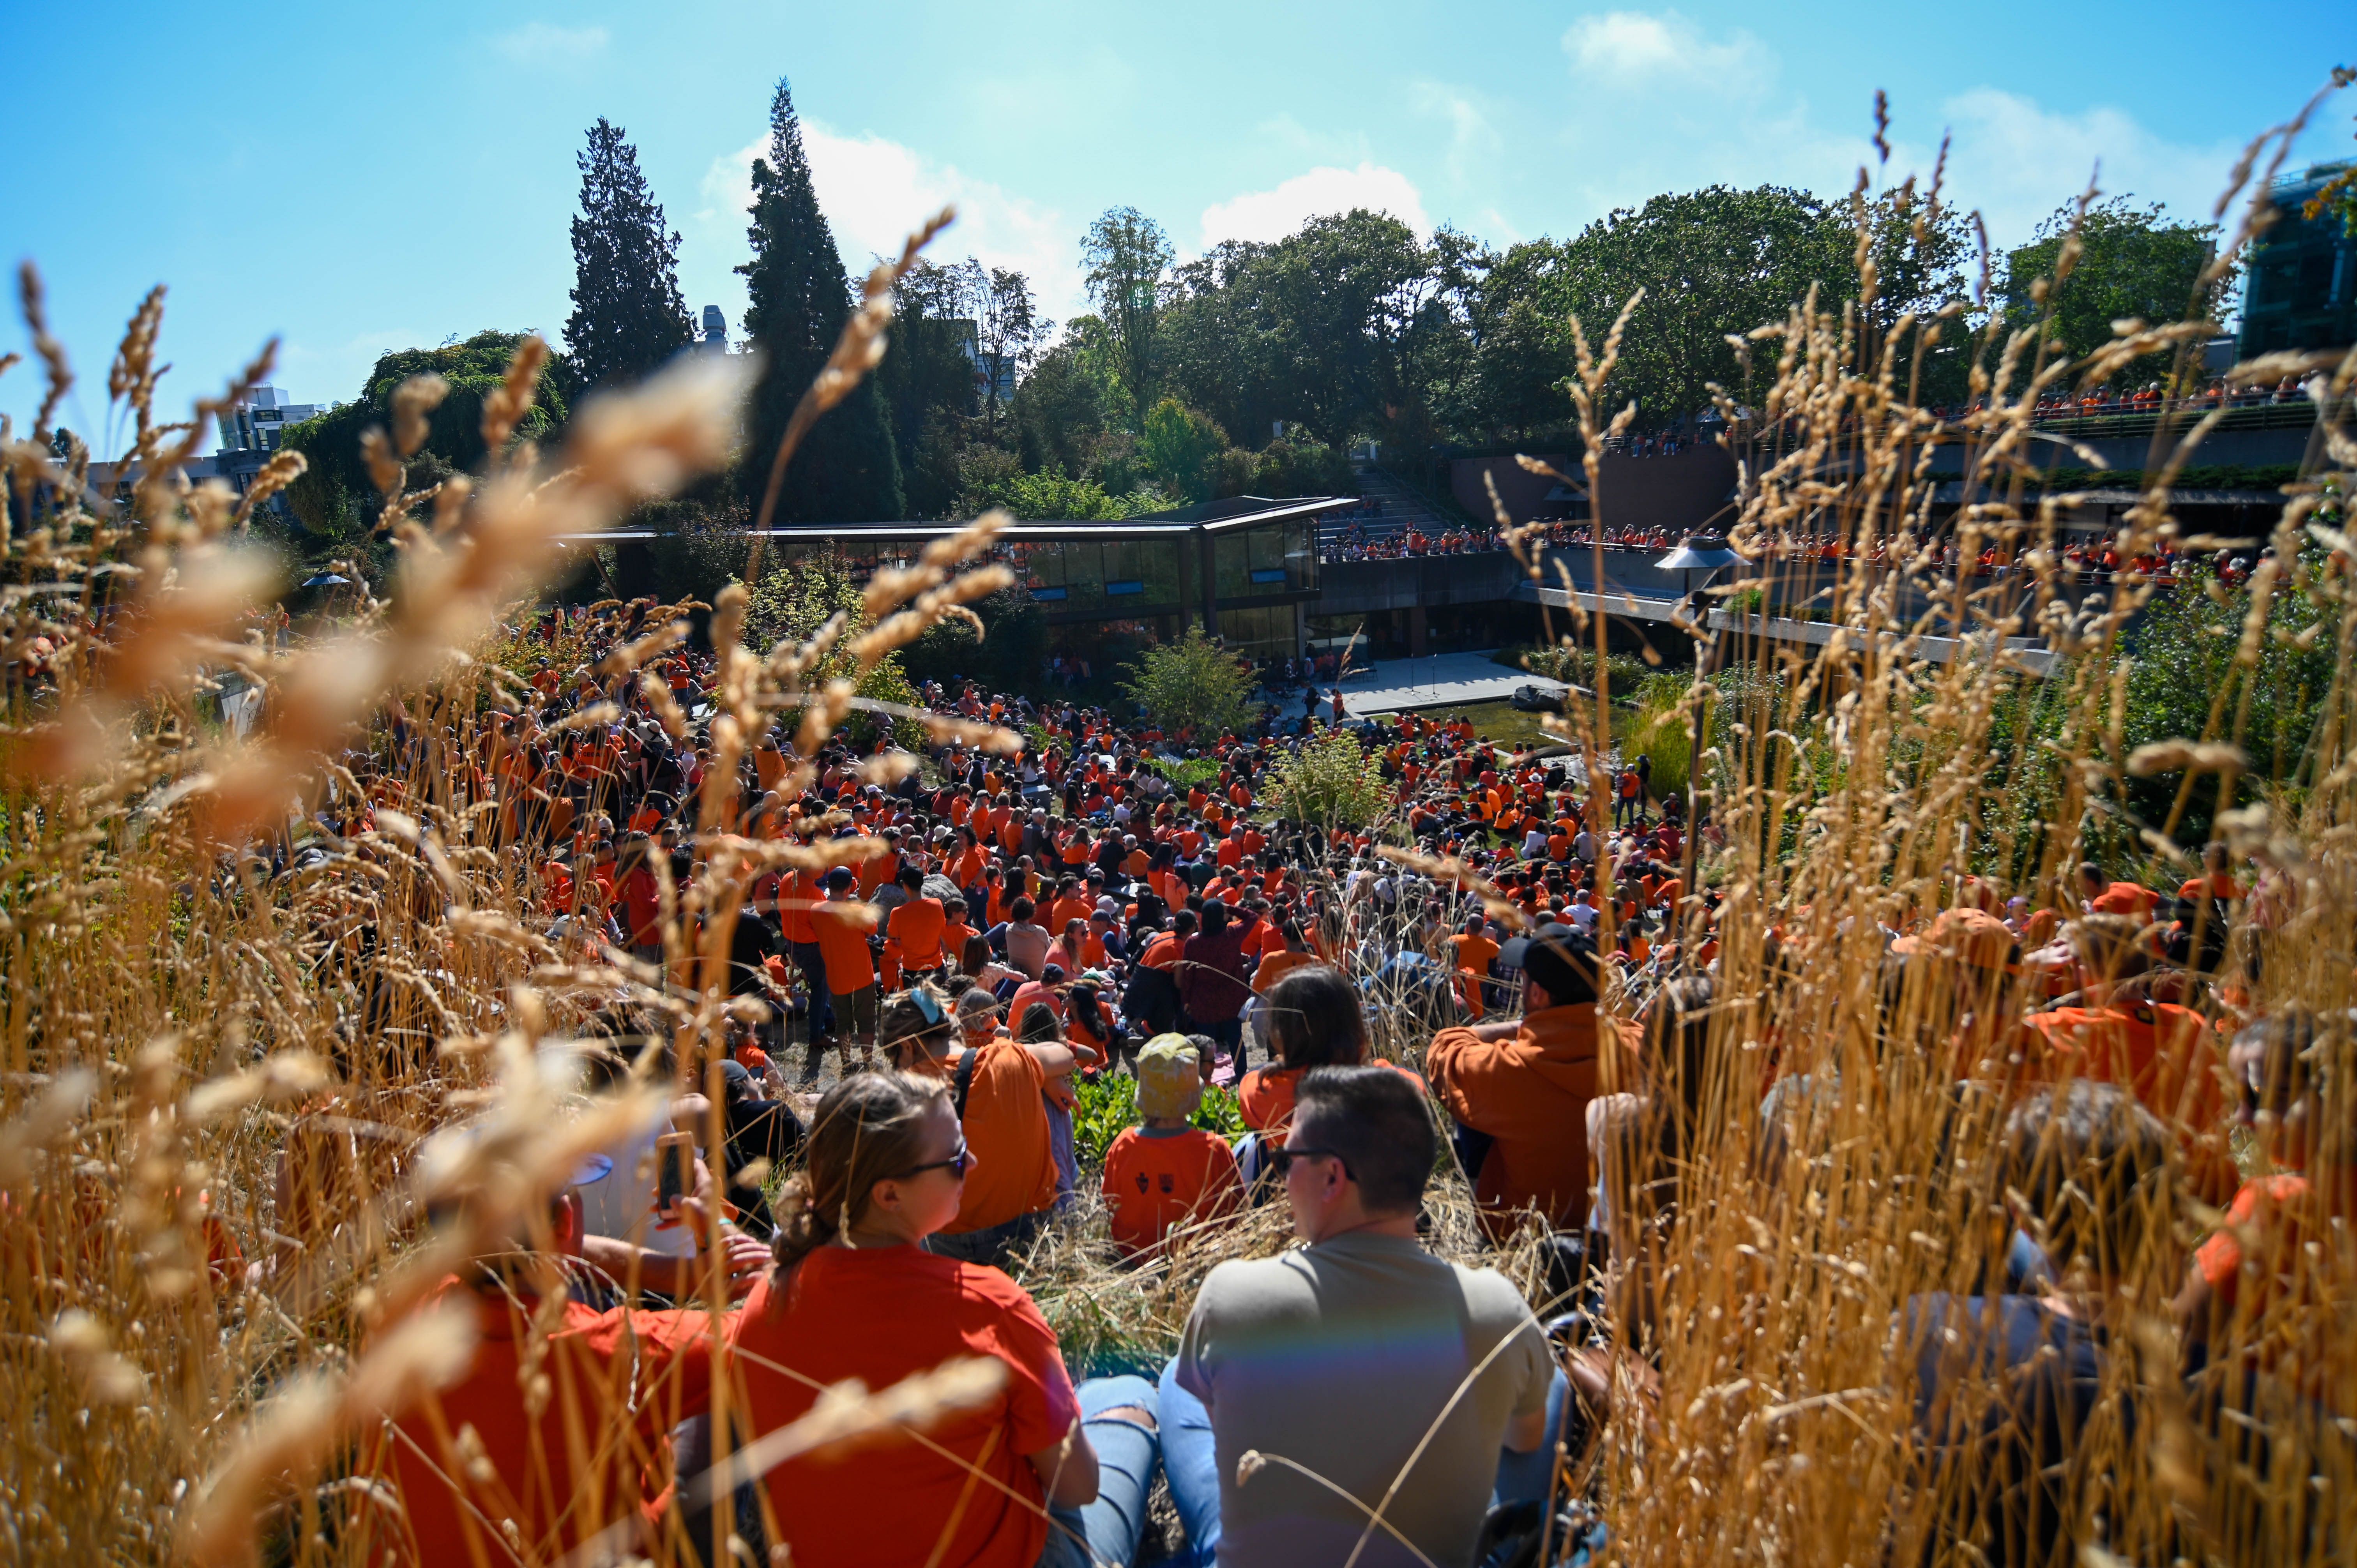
(2167, 1056)
(654, 1364)
(966, 1496)
(842, 928)
(1157, 1181)
(2258, 1208)
(2124, 898)
(914, 930)
(1006, 1127)
(1473, 956)
(1279, 964)
(1266, 1096)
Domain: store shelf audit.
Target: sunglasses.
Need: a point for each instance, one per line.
(1281, 1160)
(957, 1165)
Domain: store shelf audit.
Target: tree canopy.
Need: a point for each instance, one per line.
(1126, 254)
(336, 498)
(627, 316)
(2131, 263)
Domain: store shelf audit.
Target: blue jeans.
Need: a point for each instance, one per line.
(1068, 1159)
(1524, 1478)
(1191, 1462)
(813, 963)
(1108, 1530)
(997, 1246)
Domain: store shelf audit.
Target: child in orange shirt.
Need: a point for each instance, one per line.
(1167, 1174)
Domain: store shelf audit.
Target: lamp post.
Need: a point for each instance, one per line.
(1706, 553)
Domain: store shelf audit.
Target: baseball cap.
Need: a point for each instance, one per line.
(1562, 959)
(1169, 1077)
(1968, 936)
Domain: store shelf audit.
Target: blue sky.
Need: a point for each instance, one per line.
(357, 179)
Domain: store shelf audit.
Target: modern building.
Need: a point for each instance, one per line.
(2301, 291)
(987, 367)
(259, 423)
(1244, 569)
(716, 331)
(251, 433)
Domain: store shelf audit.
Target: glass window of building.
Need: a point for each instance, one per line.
(1158, 568)
(1084, 572)
(1231, 566)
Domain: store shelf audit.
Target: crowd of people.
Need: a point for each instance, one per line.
(1032, 920)
(2086, 559)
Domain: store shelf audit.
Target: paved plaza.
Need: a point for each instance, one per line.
(1440, 681)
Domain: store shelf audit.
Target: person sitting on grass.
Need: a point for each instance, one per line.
(633, 1374)
(1164, 1173)
(1363, 1370)
(1313, 1021)
(1519, 1090)
(2004, 1386)
(997, 1090)
(1042, 1474)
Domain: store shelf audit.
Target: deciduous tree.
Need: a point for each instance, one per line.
(1126, 254)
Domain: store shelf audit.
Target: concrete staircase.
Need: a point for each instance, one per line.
(1398, 508)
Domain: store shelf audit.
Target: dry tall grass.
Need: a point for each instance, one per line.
(175, 1019)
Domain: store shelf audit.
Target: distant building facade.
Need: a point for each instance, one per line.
(2302, 288)
(716, 331)
(251, 433)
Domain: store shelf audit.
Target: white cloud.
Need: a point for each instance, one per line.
(1267, 215)
(1631, 50)
(2017, 162)
(874, 191)
(546, 44)
(1666, 105)
(1472, 139)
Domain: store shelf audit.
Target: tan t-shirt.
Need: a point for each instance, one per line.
(1340, 1357)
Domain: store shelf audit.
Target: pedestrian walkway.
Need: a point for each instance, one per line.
(1441, 680)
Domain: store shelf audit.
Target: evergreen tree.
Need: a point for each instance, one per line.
(628, 317)
(845, 470)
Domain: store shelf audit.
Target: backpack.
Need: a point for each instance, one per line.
(961, 1081)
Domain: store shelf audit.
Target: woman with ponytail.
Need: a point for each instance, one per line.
(1044, 1474)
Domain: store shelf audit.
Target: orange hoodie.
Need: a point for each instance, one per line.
(1530, 1093)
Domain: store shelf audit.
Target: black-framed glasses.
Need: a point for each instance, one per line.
(957, 1165)
(1281, 1160)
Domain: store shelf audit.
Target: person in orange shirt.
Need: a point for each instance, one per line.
(965, 868)
(2102, 896)
(1069, 904)
(2216, 880)
(998, 1090)
(955, 933)
(631, 1375)
(1166, 1174)
(913, 933)
(1518, 1089)
(1313, 1021)
(858, 1293)
(843, 923)
(1475, 951)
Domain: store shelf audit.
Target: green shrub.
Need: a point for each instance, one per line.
(1107, 1103)
(1332, 782)
(1192, 683)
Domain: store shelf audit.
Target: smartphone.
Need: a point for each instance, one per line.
(675, 1174)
